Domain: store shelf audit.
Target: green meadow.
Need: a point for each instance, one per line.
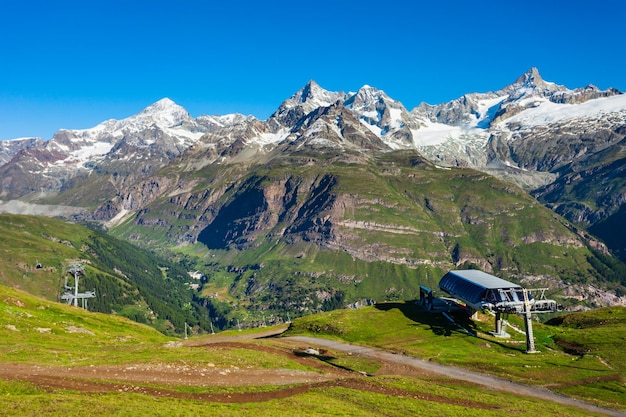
(579, 354)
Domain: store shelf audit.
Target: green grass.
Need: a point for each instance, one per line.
(417, 397)
(36, 331)
(403, 328)
(111, 340)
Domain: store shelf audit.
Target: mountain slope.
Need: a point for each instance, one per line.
(336, 188)
(36, 253)
(309, 230)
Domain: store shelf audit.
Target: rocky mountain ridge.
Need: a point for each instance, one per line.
(474, 124)
(525, 133)
(8, 148)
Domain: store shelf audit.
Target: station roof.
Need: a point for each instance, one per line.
(483, 279)
(471, 285)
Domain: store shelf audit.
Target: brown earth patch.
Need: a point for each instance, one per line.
(142, 378)
(51, 379)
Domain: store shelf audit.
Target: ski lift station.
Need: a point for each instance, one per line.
(481, 291)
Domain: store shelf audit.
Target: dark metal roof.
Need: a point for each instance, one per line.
(473, 286)
(483, 279)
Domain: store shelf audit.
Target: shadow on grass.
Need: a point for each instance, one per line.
(436, 321)
(326, 359)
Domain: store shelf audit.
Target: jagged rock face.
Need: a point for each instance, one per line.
(294, 209)
(333, 127)
(383, 116)
(308, 99)
(457, 112)
(554, 146)
(598, 180)
(581, 95)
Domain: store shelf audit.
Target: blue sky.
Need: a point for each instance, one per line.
(74, 64)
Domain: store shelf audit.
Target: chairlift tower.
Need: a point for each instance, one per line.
(71, 294)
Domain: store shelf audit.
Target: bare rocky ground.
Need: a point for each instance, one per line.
(137, 378)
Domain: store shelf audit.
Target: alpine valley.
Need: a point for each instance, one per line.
(340, 199)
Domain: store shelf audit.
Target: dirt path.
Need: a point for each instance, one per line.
(457, 373)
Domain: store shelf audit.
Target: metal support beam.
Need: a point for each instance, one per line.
(501, 323)
(530, 339)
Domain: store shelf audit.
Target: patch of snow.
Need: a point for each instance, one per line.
(396, 118)
(270, 138)
(21, 139)
(316, 127)
(88, 153)
(180, 132)
(335, 127)
(324, 142)
(549, 112)
(61, 147)
(372, 114)
(373, 128)
(487, 109)
(437, 133)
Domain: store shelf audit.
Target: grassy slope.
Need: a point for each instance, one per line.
(114, 340)
(595, 373)
(126, 279)
(24, 339)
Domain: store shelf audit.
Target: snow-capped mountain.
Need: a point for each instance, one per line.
(385, 117)
(175, 125)
(304, 101)
(468, 131)
(9, 148)
(143, 143)
(526, 132)
(488, 130)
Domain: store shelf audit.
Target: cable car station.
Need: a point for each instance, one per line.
(480, 291)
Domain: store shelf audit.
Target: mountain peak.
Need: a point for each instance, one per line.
(368, 90)
(165, 112)
(163, 105)
(311, 84)
(531, 84)
(312, 96)
(312, 91)
(531, 78)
